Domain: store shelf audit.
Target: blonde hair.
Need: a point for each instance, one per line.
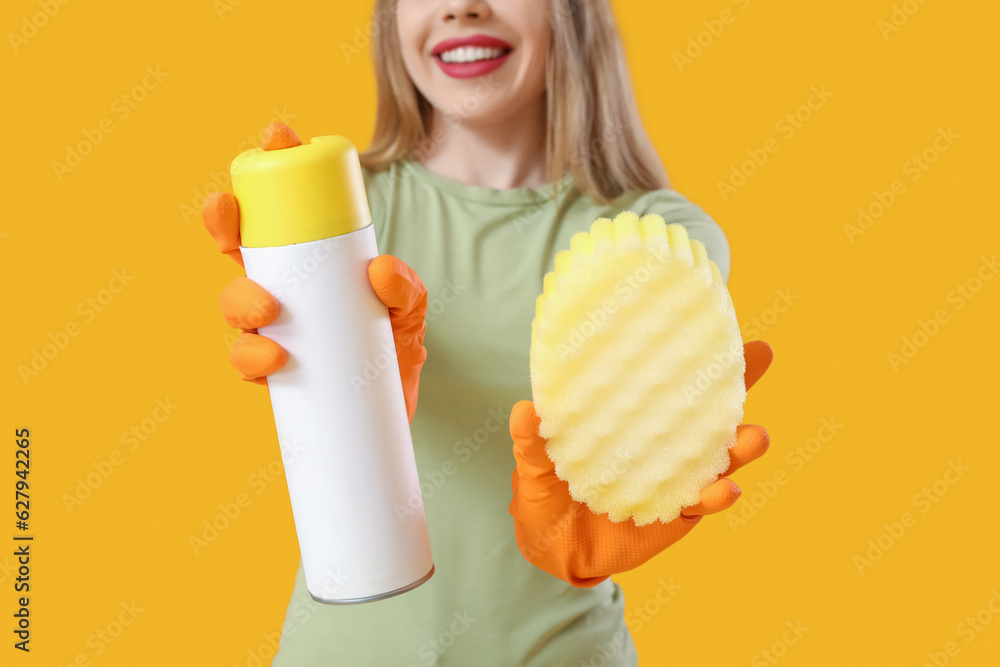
(593, 127)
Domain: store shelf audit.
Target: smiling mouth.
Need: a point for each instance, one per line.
(467, 55)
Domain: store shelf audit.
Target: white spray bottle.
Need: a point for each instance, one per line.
(307, 238)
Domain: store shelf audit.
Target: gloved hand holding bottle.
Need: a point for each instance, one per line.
(247, 306)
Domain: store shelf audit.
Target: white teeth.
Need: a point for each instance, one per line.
(469, 54)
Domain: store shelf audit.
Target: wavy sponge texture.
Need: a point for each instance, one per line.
(637, 368)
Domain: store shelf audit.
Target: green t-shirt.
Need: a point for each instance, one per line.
(482, 254)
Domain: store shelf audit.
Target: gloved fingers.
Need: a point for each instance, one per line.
(221, 215)
(714, 498)
(220, 210)
(751, 443)
(402, 291)
(247, 305)
(758, 355)
(256, 356)
(536, 474)
(278, 135)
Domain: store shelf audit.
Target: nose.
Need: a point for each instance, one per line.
(465, 9)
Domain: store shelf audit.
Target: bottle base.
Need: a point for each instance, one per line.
(380, 596)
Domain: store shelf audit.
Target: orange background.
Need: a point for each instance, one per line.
(835, 303)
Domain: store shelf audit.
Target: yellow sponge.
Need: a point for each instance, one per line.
(637, 368)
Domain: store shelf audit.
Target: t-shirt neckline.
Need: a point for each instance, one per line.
(482, 194)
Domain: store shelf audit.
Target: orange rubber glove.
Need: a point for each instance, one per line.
(564, 538)
(247, 306)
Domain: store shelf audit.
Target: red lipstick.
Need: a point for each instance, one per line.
(471, 69)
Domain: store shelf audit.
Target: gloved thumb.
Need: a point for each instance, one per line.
(399, 287)
(403, 292)
(536, 474)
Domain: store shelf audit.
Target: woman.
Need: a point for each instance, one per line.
(503, 127)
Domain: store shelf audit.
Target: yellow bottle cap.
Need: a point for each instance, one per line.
(299, 194)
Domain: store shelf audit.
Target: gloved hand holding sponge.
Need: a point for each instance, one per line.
(568, 540)
(638, 375)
